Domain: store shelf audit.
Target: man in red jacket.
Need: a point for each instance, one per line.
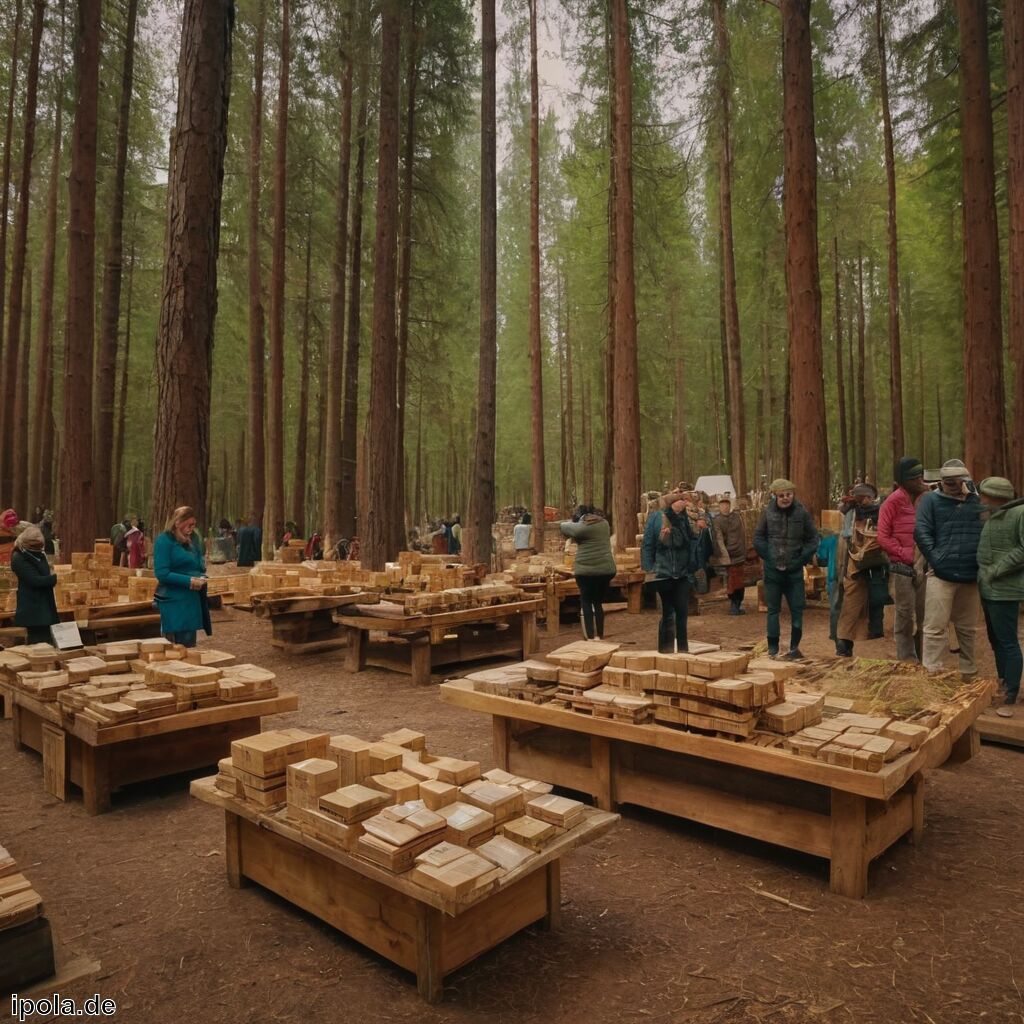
(896, 537)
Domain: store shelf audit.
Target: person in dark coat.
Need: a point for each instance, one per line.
(37, 607)
(667, 552)
(250, 540)
(786, 539)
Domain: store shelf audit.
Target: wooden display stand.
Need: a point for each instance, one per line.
(98, 760)
(303, 622)
(409, 925)
(416, 644)
(629, 583)
(847, 816)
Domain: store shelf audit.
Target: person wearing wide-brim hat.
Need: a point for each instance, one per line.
(947, 529)
(1001, 582)
(786, 539)
(36, 609)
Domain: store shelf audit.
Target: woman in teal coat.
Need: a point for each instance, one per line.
(181, 574)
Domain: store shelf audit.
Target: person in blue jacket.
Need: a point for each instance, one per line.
(181, 575)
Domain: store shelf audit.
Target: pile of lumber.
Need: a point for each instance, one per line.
(132, 680)
(19, 902)
(866, 742)
(455, 599)
(436, 820)
(292, 552)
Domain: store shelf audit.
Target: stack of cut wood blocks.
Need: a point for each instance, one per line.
(866, 742)
(133, 680)
(436, 820)
(19, 902)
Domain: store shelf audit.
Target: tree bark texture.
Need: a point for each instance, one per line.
(477, 535)
(984, 404)
(844, 447)
(609, 362)
(862, 421)
(122, 404)
(77, 511)
(626, 470)
(1013, 30)
(299, 477)
(184, 349)
(382, 473)
(21, 416)
(110, 306)
(808, 442)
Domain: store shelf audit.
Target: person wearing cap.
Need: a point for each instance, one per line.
(36, 609)
(730, 546)
(786, 539)
(1001, 582)
(896, 521)
(947, 528)
(667, 552)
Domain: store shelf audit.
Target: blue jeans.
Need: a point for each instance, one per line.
(1001, 619)
(788, 585)
(185, 637)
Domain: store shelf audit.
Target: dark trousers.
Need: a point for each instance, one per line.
(39, 635)
(675, 605)
(788, 585)
(1001, 619)
(593, 590)
(736, 596)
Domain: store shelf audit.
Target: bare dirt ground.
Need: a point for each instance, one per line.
(660, 922)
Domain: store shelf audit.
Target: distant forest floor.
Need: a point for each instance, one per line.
(659, 921)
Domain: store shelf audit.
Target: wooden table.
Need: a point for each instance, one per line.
(847, 816)
(557, 591)
(413, 927)
(415, 644)
(303, 621)
(99, 759)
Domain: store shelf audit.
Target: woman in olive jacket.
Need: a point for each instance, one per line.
(594, 566)
(37, 607)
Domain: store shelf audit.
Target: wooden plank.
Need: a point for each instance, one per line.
(465, 616)
(849, 848)
(55, 761)
(309, 646)
(601, 766)
(993, 729)
(95, 779)
(501, 741)
(429, 954)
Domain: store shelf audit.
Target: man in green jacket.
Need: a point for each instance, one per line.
(1001, 582)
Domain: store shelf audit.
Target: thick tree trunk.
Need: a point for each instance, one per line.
(299, 478)
(122, 405)
(77, 511)
(734, 361)
(16, 380)
(588, 447)
(350, 479)
(808, 442)
(184, 348)
(570, 405)
(256, 497)
(844, 448)
(275, 516)
(110, 308)
(21, 416)
(609, 361)
(1013, 44)
(42, 429)
(399, 539)
(862, 405)
(477, 535)
(7, 361)
(984, 402)
(336, 337)
(382, 473)
(626, 470)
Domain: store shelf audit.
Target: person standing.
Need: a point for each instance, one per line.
(667, 552)
(947, 529)
(521, 536)
(181, 572)
(455, 537)
(786, 539)
(135, 544)
(1001, 582)
(594, 566)
(36, 609)
(896, 522)
(250, 540)
(731, 551)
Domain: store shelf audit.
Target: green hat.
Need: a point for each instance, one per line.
(997, 487)
(782, 484)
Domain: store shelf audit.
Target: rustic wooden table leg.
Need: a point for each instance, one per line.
(419, 660)
(966, 746)
(95, 778)
(601, 765)
(429, 976)
(849, 862)
(233, 851)
(5, 696)
(502, 740)
(16, 727)
(552, 921)
(55, 761)
(528, 624)
(355, 657)
(553, 612)
(916, 785)
(634, 597)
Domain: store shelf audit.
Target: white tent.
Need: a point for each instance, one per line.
(715, 485)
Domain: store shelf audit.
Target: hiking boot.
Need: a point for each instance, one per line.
(773, 649)
(844, 648)
(794, 654)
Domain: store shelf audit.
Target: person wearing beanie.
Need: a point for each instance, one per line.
(1001, 582)
(667, 553)
(786, 539)
(946, 530)
(36, 609)
(730, 545)
(896, 521)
